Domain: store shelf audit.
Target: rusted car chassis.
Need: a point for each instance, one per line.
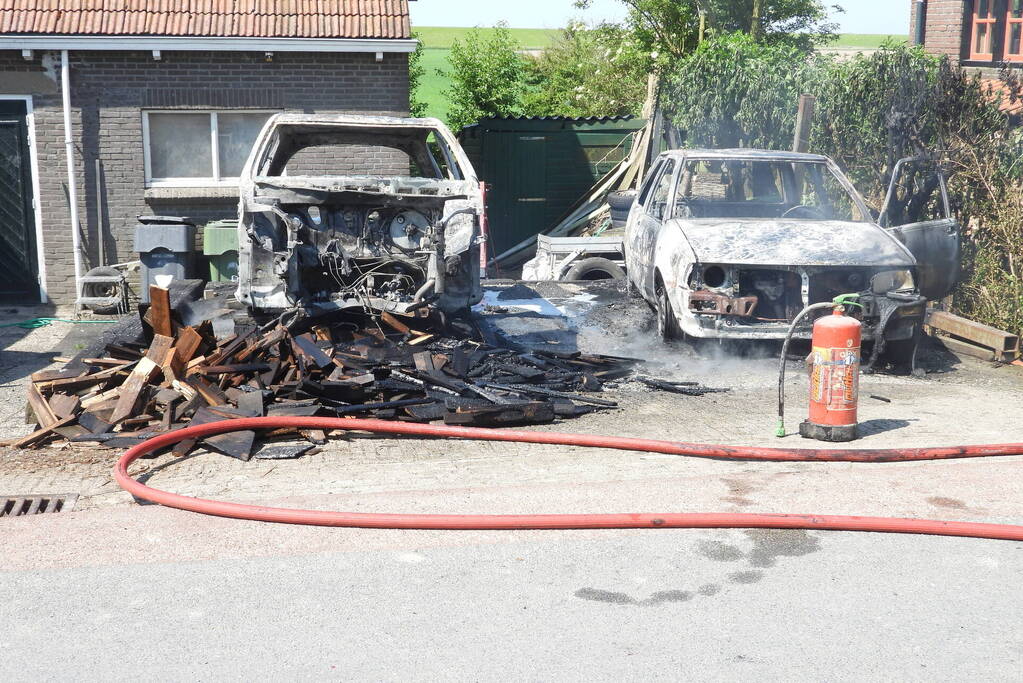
(761, 302)
(350, 212)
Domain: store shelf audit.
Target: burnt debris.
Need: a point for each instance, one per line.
(386, 367)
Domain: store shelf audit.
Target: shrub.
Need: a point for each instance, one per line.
(872, 111)
(597, 71)
(487, 75)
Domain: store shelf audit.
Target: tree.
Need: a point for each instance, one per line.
(487, 77)
(416, 71)
(669, 29)
(737, 92)
(598, 71)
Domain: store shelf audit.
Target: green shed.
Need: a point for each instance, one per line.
(536, 168)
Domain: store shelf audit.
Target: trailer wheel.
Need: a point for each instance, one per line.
(595, 268)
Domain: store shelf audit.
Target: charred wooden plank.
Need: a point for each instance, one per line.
(252, 402)
(186, 347)
(73, 384)
(65, 405)
(283, 451)
(51, 375)
(40, 434)
(132, 389)
(305, 346)
(44, 415)
(542, 391)
(534, 412)
(232, 347)
(211, 393)
(395, 323)
(235, 369)
(233, 444)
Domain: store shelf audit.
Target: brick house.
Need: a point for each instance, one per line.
(167, 98)
(978, 33)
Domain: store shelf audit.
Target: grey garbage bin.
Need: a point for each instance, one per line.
(166, 246)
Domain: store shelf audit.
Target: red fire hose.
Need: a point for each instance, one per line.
(585, 521)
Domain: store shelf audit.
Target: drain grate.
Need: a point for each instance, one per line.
(36, 505)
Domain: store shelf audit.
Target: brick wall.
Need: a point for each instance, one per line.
(944, 25)
(110, 90)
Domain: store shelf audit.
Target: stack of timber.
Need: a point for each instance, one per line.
(375, 366)
(970, 338)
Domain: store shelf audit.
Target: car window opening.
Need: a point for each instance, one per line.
(754, 189)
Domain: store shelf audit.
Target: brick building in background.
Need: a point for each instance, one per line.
(168, 98)
(978, 33)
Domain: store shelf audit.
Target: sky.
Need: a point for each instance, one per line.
(860, 16)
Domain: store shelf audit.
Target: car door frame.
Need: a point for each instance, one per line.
(650, 227)
(929, 241)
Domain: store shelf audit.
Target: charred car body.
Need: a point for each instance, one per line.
(733, 244)
(374, 213)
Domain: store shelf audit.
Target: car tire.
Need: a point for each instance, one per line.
(620, 203)
(98, 290)
(595, 269)
(667, 325)
(902, 354)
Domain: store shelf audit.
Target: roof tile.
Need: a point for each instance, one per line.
(220, 18)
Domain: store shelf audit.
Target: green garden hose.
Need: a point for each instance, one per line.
(36, 323)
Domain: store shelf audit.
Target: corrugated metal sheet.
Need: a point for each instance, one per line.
(211, 18)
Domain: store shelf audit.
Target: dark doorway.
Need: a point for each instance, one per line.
(19, 281)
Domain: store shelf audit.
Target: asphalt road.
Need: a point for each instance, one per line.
(117, 590)
(717, 605)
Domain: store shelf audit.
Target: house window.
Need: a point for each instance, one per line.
(198, 148)
(982, 36)
(1014, 32)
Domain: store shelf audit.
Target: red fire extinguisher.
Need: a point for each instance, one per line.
(834, 377)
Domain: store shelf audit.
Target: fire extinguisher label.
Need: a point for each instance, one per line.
(835, 380)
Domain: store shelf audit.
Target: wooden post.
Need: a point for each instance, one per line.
(804, 123)
(703, 27)
(755, 24)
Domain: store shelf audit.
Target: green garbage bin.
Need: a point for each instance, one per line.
(220, 245)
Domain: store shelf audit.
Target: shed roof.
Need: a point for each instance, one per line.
(208, 18)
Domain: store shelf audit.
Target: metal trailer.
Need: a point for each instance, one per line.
(577, 258)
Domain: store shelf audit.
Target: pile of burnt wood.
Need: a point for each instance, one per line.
(378, 366)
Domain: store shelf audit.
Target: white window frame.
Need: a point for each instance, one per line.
(215, 180)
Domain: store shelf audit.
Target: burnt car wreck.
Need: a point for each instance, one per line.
(371, 213)
(733, 244)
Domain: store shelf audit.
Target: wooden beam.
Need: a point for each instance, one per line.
(132, 389)
(186, 347)
(40, 408)
(160, 311)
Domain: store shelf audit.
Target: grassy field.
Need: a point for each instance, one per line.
(864, 40)
(443, 37)
(438, 40)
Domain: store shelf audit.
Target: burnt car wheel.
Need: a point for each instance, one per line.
(902, 353)
(667, 325)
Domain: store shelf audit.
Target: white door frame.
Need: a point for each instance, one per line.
(36, 203)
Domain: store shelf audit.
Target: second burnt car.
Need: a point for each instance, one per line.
(733, 244)
(358, 212)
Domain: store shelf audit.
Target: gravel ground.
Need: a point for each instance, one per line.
(212, 598)
(952, 404)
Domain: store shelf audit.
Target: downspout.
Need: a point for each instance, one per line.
(920, 28)
(72, 189)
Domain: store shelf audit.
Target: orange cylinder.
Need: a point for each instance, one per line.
(834, 378)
